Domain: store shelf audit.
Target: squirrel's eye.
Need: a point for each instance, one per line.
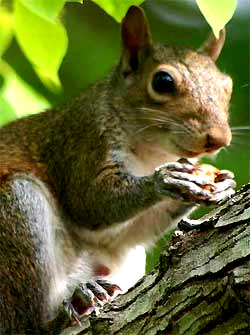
(163, 82)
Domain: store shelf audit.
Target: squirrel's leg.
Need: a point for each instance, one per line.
(26, 255)
(119, 196)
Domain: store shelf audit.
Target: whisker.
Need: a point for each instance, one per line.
(245, 85)
(136, 116)
(162, 115)
(238, 141)
(150, 110)
(161, 120)
(225, 149)
(144, 128)
(240, 128)
(214, 156)
(156, 125)
(178, 131)
(176, 122)
(151, 118)
(240, 134)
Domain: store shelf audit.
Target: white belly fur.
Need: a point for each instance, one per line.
(131, 269)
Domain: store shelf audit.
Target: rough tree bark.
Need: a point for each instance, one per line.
(201, 285)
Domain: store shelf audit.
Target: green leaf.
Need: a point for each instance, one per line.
(7, 113)
(43, 42)
(47, 9)
(217, 12)
(18, 97)
(6, 30)
(117, 8)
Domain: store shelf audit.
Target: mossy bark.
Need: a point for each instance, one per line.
(201, 285)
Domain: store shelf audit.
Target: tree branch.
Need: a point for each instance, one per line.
(201, 285)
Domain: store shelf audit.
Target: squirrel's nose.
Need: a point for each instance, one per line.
(217, 138)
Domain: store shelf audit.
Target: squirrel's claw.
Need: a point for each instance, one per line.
(71, 312)
(89, 297)
(112, 289)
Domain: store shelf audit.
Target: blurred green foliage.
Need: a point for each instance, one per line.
(33, 43)
(116, 8)
(38, 29)
(43, 39)
(217, 13)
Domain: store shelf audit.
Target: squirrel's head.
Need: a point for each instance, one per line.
(175, 97)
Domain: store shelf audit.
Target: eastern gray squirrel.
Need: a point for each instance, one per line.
(85, 187)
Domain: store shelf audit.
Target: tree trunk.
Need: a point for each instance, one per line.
(201, 285)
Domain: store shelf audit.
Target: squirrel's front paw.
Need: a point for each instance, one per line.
(89, 297)
(202, 184)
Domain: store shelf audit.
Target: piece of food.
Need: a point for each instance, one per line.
(209, 173)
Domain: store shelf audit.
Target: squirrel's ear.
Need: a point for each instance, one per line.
(136, 38)
(213, 46)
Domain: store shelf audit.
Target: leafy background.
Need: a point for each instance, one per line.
(50, 50)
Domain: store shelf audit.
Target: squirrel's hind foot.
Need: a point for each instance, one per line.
(90, 297)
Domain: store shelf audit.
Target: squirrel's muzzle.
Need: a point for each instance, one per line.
(217, 138)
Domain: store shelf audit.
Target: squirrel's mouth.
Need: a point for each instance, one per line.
(183, 152)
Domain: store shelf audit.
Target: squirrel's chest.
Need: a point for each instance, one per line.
(146, 158)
